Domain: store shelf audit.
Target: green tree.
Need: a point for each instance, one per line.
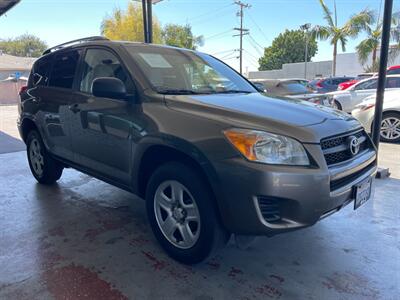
(23, 45)
(181, 36)
(372, 42)
(128, 25)
(340, 34)
(288, 47)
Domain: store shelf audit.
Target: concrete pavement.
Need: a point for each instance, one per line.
(85, 239)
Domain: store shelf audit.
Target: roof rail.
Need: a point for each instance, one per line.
(82, 40)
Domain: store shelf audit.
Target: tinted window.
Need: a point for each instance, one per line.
(40, 72)
(64, 67)
(392, 82)
(101, 63)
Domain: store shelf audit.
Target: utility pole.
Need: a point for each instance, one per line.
(242, 31)
(305, 28)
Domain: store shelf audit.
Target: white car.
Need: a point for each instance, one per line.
(347, 100)
(390, 129)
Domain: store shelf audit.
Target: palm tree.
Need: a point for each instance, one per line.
(373, 40)
(337, 34)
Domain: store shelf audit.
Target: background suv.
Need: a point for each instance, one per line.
(210, 154)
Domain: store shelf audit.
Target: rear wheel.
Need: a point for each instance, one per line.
(44, 168)
(182, 214)
(390, 127)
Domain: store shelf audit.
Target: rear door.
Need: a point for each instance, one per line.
(363, 90)
(55, 98)
(101, 127)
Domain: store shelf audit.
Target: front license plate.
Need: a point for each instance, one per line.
(362, 192)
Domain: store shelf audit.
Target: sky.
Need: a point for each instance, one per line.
(57, 21)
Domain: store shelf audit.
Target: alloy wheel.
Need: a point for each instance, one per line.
(390, 128)
(36, 157)
(177, 214)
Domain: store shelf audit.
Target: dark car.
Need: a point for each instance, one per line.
(329, 84)
(209, 154)
(292, 88)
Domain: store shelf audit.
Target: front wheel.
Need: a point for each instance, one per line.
(182, 214)
(44, 168)
(336, 105)
(390, 127)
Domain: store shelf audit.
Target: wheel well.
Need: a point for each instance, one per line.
(27, 126)
(156, 156)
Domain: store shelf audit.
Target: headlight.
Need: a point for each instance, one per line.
(267, 147)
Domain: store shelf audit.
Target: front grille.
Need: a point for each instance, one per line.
(336, 149)
(270, 209)
(338, 183)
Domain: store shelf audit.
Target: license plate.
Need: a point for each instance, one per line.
(362, 192)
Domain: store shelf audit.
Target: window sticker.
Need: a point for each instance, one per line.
(155, 60)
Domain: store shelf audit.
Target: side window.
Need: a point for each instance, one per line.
(64, 67)
(40, 73)
(393, 82)
(370, 84)
(101, 63)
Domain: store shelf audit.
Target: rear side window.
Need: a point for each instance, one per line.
(102, 63)
(64, 67)
(40, 72)
(392, 82)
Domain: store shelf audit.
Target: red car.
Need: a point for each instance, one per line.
(393, 70)
(345, 85)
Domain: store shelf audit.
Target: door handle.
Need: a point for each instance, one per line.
(74, 108)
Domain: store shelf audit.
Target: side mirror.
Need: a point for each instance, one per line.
(108, 87)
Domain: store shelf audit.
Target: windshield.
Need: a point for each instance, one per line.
(294, 88)
(174, 71)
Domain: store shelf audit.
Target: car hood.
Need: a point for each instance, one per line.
(259, 110)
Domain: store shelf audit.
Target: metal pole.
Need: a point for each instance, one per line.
(387, 17)
(241, 39)
(145, 32)
(306, 57)
(149, 21)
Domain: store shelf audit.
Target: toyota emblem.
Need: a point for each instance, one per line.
(354, 145)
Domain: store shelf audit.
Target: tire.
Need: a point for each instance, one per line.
(390, 127)
(188, 230)
(337, 105)
(44, 168)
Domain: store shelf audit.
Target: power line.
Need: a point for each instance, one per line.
(259, 28)
(211, 12)
(220, 52)
(255, 48)
(218, 34)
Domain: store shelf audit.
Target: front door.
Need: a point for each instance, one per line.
(102, 127)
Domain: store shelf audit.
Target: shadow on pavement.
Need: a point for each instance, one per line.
(10, 144)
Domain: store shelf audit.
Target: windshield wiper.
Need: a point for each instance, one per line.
(232, 92)
(178, 92)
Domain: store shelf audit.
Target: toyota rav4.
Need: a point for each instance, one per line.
(210, 155)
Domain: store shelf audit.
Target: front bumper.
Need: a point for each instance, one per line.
(303, 195)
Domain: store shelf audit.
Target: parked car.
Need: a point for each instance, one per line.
(345, 85)
(259, 86)
(329, 84)
(393, 70)
(365, 111)
(347, 100)
(292, 88)
(210, 155)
